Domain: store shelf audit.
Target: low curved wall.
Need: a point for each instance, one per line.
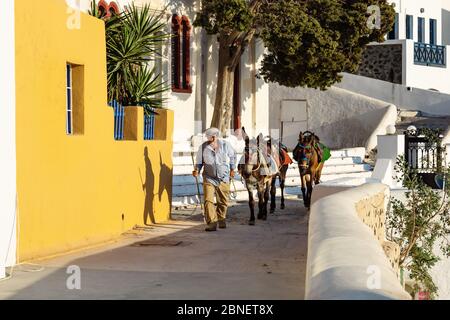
(348, 256)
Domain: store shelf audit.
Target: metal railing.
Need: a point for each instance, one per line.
(429, 55)
(119, 120)
(149, 126)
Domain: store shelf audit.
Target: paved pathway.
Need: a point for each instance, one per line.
(178, 260)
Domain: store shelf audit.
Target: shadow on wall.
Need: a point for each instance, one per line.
(341, 133)
(165, 180)
(148, 188)
(165, 186)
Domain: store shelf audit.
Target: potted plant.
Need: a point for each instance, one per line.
(133, 41)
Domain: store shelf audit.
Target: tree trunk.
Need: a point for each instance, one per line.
(231, 48)
(225, 86)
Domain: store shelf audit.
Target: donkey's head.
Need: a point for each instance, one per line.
(305, 150)
(252, 153)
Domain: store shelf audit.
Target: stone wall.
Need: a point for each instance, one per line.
(372, 211)
(383, 62)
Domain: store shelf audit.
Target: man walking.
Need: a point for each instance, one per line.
(217, 158)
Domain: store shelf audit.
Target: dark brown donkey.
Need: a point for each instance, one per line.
(257, 175)
(306, 155)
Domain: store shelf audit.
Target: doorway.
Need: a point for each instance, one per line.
(294, 118)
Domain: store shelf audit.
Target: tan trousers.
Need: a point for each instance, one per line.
(214, 213)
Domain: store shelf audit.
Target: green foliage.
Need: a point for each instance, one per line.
(225, 16)
(309, 43)
(417, 223)
(133, 39)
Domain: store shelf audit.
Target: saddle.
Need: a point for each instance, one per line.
(285, 159)
(323, 151)
(281, 156)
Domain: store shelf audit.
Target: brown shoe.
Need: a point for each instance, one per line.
(222, 224)
(211, 228)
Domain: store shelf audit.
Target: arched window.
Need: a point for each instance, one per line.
(107, 10)
(113, 9)
(103, 8)
(181, 54)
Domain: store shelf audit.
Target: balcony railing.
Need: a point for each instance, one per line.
(429, 55)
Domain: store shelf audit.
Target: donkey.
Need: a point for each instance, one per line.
(283, 161)
(307, 156)
(257, 174)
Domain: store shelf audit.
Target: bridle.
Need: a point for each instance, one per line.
(307, 151)
(305, 154)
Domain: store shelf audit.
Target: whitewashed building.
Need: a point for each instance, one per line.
(416, 53)
(192, 70)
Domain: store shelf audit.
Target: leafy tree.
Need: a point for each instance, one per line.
(417, 223)
(133, 38)
(309, 42)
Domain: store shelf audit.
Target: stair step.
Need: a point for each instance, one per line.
(289, 191)
(191, 188)
(344, 167)
(187, 169)
(182, 153)
(186, 160)
(242, 195)
(409, 113)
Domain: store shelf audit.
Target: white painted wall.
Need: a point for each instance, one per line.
(193, 112)
(343, 254)
(429, 102)
(389, 148)
(420, 76)
(7, 138)
(342, 119)
(424, 77)
(432, 9)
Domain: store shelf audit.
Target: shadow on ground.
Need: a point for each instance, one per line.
(178, 260)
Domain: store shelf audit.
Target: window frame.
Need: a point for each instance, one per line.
(181, 54)
(69, 100)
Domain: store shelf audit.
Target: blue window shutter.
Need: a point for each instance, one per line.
(433, 31)
(421, 30)
(409, 27)
(393, 34)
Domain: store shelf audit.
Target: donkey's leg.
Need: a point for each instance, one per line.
(318, 173)
(266, 199)
(303, 179)
(310, 188)
(251, 203)
(260, 200)
(282, 184)
(273, 193)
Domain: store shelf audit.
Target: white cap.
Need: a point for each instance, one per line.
(212, 132)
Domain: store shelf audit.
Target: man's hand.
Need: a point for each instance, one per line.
(195, 173)
(232, 173)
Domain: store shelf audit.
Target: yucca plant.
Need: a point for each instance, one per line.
(133, 39)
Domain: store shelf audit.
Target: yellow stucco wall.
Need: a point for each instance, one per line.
(73, 190)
